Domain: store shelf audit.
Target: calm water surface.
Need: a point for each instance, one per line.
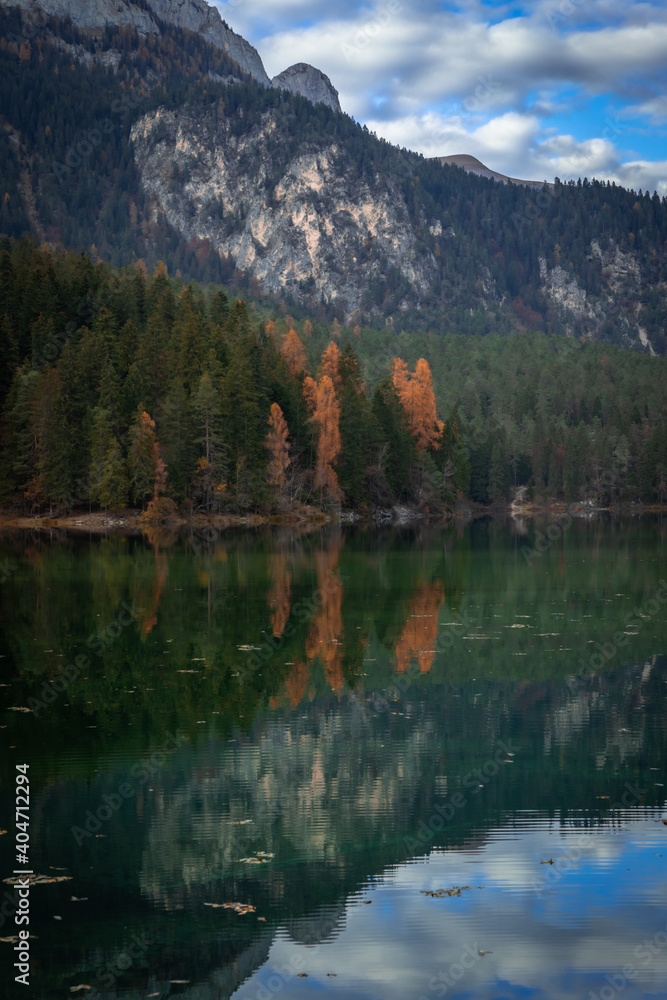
(432, 762)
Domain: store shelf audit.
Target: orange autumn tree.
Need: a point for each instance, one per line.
(329, 365)
(325, 411)
(276, 442)
(293, 352)
(417, 398)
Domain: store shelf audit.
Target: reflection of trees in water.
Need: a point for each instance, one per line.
(421, 629)
(149, 620)
(324, 639)
(279, 596)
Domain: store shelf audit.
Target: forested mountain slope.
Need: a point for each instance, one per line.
(158, 145)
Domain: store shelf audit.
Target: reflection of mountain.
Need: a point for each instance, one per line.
(333, 794)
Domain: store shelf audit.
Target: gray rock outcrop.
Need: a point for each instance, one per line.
(302, 228)
(308, 82)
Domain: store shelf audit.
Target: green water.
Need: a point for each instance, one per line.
(327, 725)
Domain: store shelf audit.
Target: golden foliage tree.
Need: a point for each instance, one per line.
(276, 442)
(293, 352)
(329, 365)
(417, 398)
(325, 409)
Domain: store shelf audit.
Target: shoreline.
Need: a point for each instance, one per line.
(99, 522)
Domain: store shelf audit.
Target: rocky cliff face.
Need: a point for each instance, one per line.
(314, 229)
(198, 16)
(90, 14)
(308, 82)
(192, 14)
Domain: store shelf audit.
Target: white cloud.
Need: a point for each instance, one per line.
(444, 81)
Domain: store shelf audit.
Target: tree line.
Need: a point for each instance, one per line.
(122, 388)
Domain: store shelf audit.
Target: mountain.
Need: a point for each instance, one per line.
(308, 82)
(472, 165)
(151, 130)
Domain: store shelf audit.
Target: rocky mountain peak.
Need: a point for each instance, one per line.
(196, 15)
(309, 82)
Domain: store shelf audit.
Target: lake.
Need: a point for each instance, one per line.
(419, 762)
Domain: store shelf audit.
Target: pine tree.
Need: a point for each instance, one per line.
(211, 467)
(147, 469)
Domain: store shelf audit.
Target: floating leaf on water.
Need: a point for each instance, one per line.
(547, 861)
(240, 908)
(38, 879)
(19, 708)
(302, 975)
(367, 902)
(456, 890)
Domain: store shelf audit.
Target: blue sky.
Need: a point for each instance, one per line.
(563, 88)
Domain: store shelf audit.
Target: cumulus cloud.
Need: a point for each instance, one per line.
(483, 80)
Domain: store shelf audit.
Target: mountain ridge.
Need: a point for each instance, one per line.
(276, 187)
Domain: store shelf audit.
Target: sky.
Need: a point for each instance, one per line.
(552, 88)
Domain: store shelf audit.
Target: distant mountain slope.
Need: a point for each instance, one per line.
(473, 166)
(147, 140)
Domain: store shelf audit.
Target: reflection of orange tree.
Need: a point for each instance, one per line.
(280, 593)
(297, 683)
(421, 629)
(149, 620)
(324, 638)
